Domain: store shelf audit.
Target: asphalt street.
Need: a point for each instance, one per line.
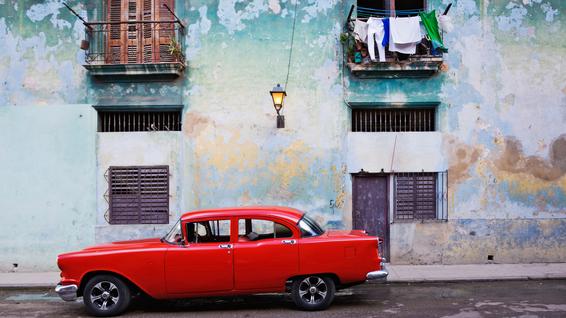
(527, 299)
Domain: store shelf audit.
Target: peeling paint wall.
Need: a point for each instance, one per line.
(501, 123)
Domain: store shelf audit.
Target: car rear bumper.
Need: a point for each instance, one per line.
(380, 275)
(67, 292)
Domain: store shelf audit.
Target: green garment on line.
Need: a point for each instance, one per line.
(431, 26)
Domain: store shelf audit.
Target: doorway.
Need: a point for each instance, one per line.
(370, 206)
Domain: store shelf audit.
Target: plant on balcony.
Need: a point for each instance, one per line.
(348, 42)
(175, 49)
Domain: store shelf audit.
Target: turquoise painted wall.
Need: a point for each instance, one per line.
(501, 114)
(48, 183)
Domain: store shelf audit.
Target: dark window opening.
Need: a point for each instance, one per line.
(410, 5)
(138, 195)
(415, 196)
(385, 8)
(254, 230)
(215, 231)
(393, 119)
(131, 121)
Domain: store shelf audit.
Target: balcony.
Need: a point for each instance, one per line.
(414, 66)
(125, 50)
(424, 63)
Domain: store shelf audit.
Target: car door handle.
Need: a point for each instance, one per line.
(225, 245)
(288, 241)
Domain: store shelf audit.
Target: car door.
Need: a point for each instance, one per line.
(204, 263)
(266, 254)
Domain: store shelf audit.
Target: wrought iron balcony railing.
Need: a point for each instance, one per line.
(134, 42)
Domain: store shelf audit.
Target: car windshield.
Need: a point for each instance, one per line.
(309, 227)
(175, 236)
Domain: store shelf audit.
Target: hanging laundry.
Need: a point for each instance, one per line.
(385, 41)
(431, 26)
(361, 30)
(405, 34)
(376, 31)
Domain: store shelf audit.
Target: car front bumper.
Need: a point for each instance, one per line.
(380, 275)
(67, 292)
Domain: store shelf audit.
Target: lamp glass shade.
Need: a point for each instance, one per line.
(278, 95)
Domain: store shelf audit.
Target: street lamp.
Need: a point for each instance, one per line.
(278, 95)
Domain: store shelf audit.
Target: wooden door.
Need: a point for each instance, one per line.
(370, 207)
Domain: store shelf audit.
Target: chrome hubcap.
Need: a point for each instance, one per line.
(104, 295)
(313, 290)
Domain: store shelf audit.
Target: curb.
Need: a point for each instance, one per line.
(475, 279)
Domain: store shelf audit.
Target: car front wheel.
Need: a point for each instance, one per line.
(106, 295)
(313, 292)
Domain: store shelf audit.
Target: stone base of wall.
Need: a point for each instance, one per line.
(471, 241)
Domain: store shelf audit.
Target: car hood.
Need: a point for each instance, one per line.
(121, 246)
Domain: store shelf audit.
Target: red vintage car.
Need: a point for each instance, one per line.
(223, 252)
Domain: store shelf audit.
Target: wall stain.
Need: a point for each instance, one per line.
(514, 160)
(462, 156)
(194, 124)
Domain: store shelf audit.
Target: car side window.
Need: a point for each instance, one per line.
(255, 229)
(208, 231)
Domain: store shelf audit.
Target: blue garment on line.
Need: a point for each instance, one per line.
(385, 40)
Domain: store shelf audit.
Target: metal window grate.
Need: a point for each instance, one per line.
(130, 121)
(420, 196)
(139, 195)
(393, 119)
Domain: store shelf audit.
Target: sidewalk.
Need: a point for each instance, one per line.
(475, 272)
(397, 274)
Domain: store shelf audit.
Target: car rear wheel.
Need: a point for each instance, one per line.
(313, 292)
(106, 295)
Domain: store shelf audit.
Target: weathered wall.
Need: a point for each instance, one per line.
(501, 119)
(48, 183)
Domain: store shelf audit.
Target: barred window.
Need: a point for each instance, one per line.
(418, 197)
(138, 195)
(393, 119)
(140, 120)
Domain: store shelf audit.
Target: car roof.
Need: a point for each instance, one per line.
(287, 213)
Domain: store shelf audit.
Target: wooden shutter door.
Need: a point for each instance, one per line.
(165, 31)
(116, 33)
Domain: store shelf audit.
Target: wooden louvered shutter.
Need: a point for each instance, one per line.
(133, 31)
(147, 32)
(139, 42)
(116, 35)
(139, 195)
(415, 196)
(165, 31)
